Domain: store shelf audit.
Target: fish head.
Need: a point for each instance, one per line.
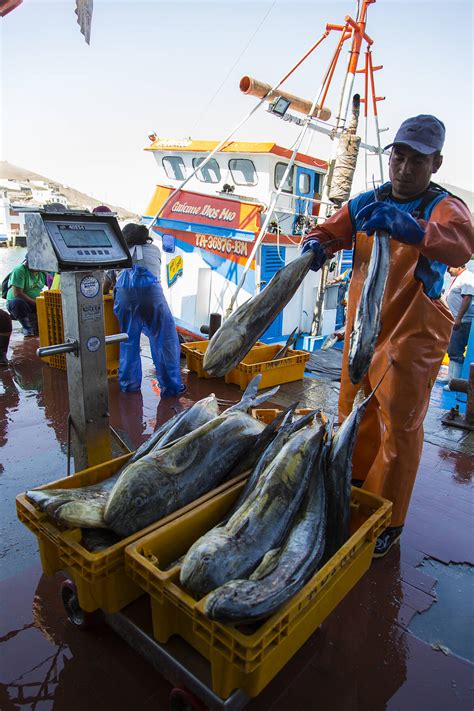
(128, 507)
(205, 408)
(220, 354)
(202, 563)
(232, 602)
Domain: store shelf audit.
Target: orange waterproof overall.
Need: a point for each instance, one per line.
(415, 333)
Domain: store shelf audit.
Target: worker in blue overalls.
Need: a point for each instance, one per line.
(140, 305)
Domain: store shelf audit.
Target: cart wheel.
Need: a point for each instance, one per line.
(76, 615)
(183, 700)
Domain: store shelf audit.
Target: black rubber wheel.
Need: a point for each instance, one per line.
(75, 614)
(183, 700)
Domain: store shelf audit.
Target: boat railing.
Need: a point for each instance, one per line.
(294, 214)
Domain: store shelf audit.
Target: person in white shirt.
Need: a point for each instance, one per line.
(459, 297)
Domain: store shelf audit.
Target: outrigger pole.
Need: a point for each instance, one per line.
(354, 29)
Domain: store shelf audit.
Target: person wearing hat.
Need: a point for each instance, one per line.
(430, 229)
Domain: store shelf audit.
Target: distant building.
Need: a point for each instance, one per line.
(21, 190)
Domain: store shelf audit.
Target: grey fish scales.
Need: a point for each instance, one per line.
(282, 572)
(166, 480)
(367, 322)
(233, 550)
(234, 339)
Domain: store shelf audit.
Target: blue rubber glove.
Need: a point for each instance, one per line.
(382, 216)
(320, 255)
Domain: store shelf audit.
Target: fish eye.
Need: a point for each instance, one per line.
(139, 502)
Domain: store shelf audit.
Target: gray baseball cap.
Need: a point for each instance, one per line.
(423, 133)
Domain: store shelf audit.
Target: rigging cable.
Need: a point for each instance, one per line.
(224, 141)
(249, 42)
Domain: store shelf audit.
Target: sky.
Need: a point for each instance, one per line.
(81, 114)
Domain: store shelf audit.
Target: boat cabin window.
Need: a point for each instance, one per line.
(279, 172)
(243, 171)
(211, 173)
(174, 167)
(304, 184)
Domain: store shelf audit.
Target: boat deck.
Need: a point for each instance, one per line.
(402, 638)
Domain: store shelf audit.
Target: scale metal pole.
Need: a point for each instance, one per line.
(83, 318)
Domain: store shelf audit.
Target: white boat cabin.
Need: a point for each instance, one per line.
(209, 227)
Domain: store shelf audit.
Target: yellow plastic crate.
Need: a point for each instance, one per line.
(267, 415)
(100, 577)
(194, 353)
(247, 657)
(51, 331)
(274, 372)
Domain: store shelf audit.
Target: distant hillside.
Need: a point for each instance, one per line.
(75, 198)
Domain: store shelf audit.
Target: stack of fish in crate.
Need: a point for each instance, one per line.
(179, 518)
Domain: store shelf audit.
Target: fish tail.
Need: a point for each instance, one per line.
(265, 396)
(252, 388)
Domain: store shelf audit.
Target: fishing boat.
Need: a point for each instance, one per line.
(211, 227)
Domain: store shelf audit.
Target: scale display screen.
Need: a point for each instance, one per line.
(76, 235)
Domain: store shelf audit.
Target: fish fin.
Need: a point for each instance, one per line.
(242, 528)
(181, 462)
(289, 342)
(303, 421)
(250, 393)
(252, 400)
(267, 565)
(282, 417)
(265, 396)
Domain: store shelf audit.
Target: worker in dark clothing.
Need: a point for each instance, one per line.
(430, 229)
(5, 333)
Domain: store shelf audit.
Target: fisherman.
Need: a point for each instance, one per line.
(430, 229)
(140, 305)
(24, 287)
(459, 297)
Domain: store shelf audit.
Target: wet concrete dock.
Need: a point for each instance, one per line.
(401, 639)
